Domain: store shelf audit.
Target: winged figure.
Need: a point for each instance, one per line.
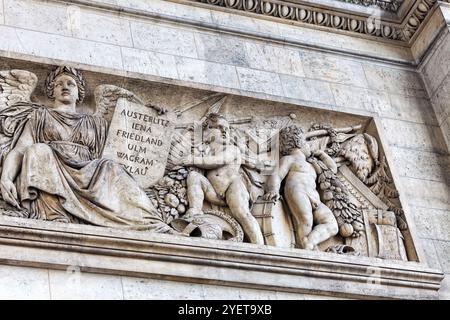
(51, 164)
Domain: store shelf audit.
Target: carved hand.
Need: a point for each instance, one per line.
(9, 192)
(271, 196)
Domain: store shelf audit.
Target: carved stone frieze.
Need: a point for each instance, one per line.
(369, 25)
(194, 171)
(389, 5)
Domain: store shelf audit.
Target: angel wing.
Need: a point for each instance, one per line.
(336, 197)
(107, 95)
(16, 86)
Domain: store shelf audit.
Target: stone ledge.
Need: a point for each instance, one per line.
(94, 249)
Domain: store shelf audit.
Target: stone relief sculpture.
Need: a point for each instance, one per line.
(313, 221)
(216, 178)
(51, 165)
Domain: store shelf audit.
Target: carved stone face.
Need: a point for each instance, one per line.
(66, 89)
(219, 132)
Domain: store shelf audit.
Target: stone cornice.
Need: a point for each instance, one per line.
(366, 25)
(393, 5)
(94, 249)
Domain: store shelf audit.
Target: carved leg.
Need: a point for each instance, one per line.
(238, 202)
(326, 225)
(199, 188)
(301, 209)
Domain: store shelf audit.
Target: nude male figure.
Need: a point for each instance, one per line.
(223, 184)
(313, 221)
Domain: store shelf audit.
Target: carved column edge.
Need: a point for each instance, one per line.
(137, 254)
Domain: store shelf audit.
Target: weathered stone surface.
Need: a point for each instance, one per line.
(351, 97)
(437, 66)
(333, 69)
(421, 165)
(444, 292)
(19, 283)
(394, 80)
(443, 252)
(2, 16)
(416, 136)
(430, 253)
(59, 47)
(274, 58)
(445, 127)
(430, 194)
(260, 81)
(222, 49)
(432, 223)
(441, 100)
(341, 42)
(164, 8)
(102, 28)
(86, 242)
(150, 63)
(72, 284)
(306, 89)
(18, 13)
(207, 72)
(412, 109)
(163, 39)
(243, 23)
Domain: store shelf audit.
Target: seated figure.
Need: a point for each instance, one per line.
(54, 168)
(222, 184)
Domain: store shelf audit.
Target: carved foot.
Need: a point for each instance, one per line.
(307, 245)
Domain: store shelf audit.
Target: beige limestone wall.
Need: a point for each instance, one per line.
(434, 224)
(300, 70)
(44, 284)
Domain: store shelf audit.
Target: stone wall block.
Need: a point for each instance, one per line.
(84, 286)
(163, 39)
(333, 69)
(394, 80)
(207, 72)
(429, 194)
(151, 63)
(222, 49)
(359, 98)
(305, 89)
(416, 136)
(40, 16)
(421, 165)
(260, 81)
(274, 58)
(18, 283)
(437, 67)
(432, 223)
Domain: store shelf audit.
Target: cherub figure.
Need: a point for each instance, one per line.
(223, 183)
(313, 221)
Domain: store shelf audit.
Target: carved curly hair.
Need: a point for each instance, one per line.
(76, 74)
(291, 137)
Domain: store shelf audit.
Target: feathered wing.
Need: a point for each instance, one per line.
(106, 97)
(16, 88)
(336, 197)
(182, 145)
